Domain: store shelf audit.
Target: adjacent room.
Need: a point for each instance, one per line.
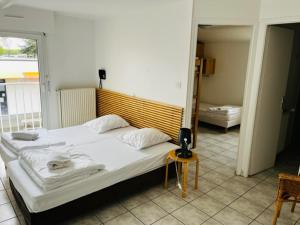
(221, 68)
(169, 112)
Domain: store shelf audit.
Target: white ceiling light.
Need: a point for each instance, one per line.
(5, 3)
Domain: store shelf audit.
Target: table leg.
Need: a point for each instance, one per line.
(184, 179)
(167, 171)
(179, 166)
(197, 174)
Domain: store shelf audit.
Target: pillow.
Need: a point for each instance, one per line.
(145, 137)
(106, 123)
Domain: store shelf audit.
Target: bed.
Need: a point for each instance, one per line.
(130, 171)
(224, 116)
(75, 135)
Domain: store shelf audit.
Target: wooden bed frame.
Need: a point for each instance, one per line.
(139, 113)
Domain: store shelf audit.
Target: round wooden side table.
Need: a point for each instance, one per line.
(182, 162)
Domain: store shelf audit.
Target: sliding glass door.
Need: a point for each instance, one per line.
(23, 95)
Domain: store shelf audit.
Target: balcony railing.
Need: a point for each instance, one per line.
(20, 106)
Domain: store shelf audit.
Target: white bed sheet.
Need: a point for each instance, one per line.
(119, 166)
(75, 135)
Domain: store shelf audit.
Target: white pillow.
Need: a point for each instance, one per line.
(145, 137)
(106, 123)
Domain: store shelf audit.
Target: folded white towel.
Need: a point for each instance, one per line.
(59, 161)
(25, 135)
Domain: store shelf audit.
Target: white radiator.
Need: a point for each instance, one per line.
(76, 106)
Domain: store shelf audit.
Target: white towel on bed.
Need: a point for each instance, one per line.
(59, 161)
(45, 140)
(34, 162)
(25, 135)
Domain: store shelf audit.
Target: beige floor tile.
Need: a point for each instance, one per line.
(229, 216)
(211, 222)
(255, 223)
(268, 188)
(155, 191)
(134, 200)
(230, 154)
(207, 153)
(236, 186)
(210, 164)
(226, 146)
(215, 177)
(13, 221)
(249, 181)
(168, 220)
(247, 207)
(191, 193)
(260, 197)
(215, 148)
(169, 202)
(267, 216)
(148, 213)
(190, 215)
(223, 195)
(208, 205)
(110, 212)
(226, 170)
(205, 185)
(286, 211)
(84, 220)
(6, 212)
(125, 219)
(221, 158)
(3, 197)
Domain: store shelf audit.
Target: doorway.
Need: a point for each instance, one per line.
(275, 141)
(22, 95)
(220, 74)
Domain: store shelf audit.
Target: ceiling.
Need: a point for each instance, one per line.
(208, 34)
(94, 8)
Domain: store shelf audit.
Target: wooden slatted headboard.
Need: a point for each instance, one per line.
(140, 112)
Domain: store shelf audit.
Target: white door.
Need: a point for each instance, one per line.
(275, 69)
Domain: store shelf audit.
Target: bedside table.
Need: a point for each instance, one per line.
(182, 162)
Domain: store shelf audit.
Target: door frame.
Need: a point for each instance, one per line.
(252, 83)
(244, 131)
(44, 77)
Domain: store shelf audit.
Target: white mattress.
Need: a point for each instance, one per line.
(75, 135)
(120, 165)
(224, 119)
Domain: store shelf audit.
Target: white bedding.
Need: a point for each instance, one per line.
(46, 139)
(223, 118)
(34, 162)
(75, 135)
(121, 162)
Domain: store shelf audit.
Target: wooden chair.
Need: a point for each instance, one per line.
(288, 191)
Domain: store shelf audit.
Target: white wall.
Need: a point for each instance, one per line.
(220, 11)
(279, 9)
(226, 86)
(70, 53)
(147, 54)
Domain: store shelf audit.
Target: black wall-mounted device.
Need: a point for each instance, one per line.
(102, 76)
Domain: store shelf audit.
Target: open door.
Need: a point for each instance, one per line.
(275, 69)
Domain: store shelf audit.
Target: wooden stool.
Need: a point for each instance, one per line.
(172, 155)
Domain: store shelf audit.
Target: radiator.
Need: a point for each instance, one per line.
(76, 106)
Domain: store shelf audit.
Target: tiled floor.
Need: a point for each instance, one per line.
(222, 198)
